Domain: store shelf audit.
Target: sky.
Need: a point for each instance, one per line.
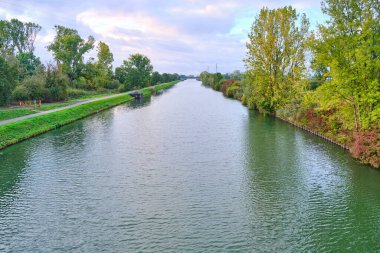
(179, 36)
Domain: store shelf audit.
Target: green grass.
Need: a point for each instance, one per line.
(91, 96)
(149, 90)
(15, 113)
(12, 133)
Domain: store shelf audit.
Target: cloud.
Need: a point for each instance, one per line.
(184, 36)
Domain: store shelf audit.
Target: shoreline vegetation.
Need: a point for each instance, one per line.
(314, 131)
(326, 82)
(18, 131)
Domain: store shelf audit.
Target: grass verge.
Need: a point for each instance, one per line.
(24, 129)
(15, 113)
(148, 91)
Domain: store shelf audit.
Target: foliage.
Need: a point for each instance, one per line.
(276, 54)
(29, 64)
(16, 35)
(156, 78)
(135, 72)
(8, 79)
(348, 46)
(12, 133)
(68, 49)
(366, 147)
(212, 80)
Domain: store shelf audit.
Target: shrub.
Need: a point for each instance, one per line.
(366, 147)
(56, 83)
(35, 86)
(112, 84)
(226, 84)
(20, 93)
(232, 90)
(76, 93)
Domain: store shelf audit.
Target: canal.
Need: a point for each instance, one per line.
(186, 171)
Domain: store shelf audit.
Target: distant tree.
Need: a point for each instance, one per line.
(23, 35)
(121, 74)
(104, 66)
(165, 77)
(135, 72)
(29, 64)
(56, 83)
(156, 78)
(68, 49)
(5, 39)
(17, 35)
(8, 79)
(105, 57)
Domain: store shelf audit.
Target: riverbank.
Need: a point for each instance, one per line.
(363, 146)
(18, 131)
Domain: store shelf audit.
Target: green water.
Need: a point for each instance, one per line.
(187, 171)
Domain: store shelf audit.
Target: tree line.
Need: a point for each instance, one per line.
(327, 79)
(24, 77)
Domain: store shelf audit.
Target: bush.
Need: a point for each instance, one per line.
(232, 90)
(35, 86)
(76, 93)
(366, 147)
(20, 93)
(226, 84)
(56, 83)
(112, 84)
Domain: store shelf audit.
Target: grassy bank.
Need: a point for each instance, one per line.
(363, 146)
(24, 129)
(15, 132)
(148, 91)
(15, 113)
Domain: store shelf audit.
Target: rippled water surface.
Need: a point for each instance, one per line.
(187, 171)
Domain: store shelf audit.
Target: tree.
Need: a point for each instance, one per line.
(105, 57)
(29, 64)
(135, 72)
(104, 66)
(16, 35)
(8, 79)
(23, 35)
(276, 54)
(68, 49)
(156, 78)
(5, 39)
(348, 46)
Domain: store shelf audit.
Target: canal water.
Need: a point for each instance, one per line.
(186, 171)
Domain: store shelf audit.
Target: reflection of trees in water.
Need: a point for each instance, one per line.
(13, 161)
(139, 103)
(306, 192)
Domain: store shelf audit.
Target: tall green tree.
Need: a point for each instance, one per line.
(17, 36)
(23, 35)
(135, 72)
(104, 65)
(68, 49)
(276, 55)
(29, 64)
(156, 78)
(348, 46)
(105, 57)
(5, 39)
(8, 79)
